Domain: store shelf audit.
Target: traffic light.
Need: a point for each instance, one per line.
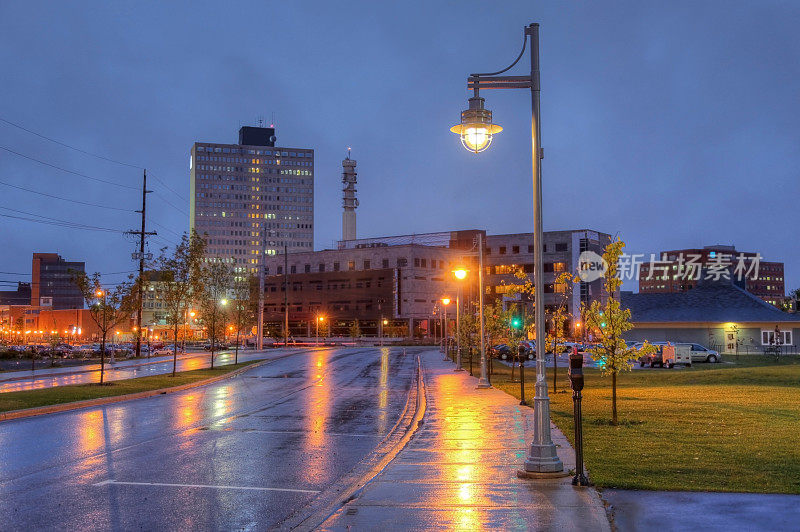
(516, 323)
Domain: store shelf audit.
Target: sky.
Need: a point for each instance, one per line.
(670, 124)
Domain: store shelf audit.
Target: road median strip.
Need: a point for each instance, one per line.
(99, 401)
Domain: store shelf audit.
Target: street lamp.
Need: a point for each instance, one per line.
(445, 302)
(476, 128)
(476, 131)
(384, 323)
(320, 319)
(460, 274)
(190, 314)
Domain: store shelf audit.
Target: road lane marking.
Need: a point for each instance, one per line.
(259, 431)
(212, 486)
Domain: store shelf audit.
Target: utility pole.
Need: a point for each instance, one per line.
(140, 281)
(285, 295)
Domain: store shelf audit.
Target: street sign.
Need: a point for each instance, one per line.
(138, 256)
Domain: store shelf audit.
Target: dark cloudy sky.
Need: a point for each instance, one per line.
(673, 124)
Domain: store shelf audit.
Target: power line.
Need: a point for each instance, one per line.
(67, 170)
(68, 146)
(66, 199)
(55, 221)
(172, 205)
(165, 228)
(90, 154)
(180, 196)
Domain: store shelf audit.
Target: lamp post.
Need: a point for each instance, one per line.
(189, 314)
(460, 274)
(483, 382)
(320, 319)
(476, 131)
(445, 302)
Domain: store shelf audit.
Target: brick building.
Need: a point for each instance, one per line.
(403, 278)
(679, 270)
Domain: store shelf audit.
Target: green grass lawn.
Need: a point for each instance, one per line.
(715, 427)
(79, 392)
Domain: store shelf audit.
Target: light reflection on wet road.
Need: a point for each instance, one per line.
(128, 369)
(242, 453)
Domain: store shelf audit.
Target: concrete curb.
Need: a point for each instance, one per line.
(331, 500)
(65, 407)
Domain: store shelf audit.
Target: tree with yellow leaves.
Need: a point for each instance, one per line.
(608, 321)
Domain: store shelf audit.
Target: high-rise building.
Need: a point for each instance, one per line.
(52, 282)
(252, 198)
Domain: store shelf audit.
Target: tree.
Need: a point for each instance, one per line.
(355, 329)
(243, 312)
(558, 318)
(495, 322)
(608, 321)
(216, 279)
(179, 276)
(108, 307)
(790, 303)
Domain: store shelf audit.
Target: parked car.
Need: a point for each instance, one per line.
(501, 351)
(700, 353)
(166, 350)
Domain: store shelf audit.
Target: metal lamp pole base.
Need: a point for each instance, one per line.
(542, 455)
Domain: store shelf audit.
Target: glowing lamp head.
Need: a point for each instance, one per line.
(476, 128)
(99, 293)
(446, 300)
(386, 322)
(460, 274)
(223, 302)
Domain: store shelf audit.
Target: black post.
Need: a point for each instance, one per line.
(522, 379)
(140, 287)
(470, 362)
(576, 380)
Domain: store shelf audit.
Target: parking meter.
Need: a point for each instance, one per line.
(576, 370)
(576, 379)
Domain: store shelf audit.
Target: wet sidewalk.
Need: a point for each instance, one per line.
(459, 469)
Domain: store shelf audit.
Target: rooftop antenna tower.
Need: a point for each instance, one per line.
(349, 201)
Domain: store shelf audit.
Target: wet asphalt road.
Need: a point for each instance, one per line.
(243, 453)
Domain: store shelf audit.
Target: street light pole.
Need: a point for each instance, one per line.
(476, 131)
(542, 456)
(458, 329)
(445, 302)
(483, 382)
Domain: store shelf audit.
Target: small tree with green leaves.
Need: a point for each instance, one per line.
(108, 307)
(213, 301)
(243, 312)
(609, 321)
(558, 318)
(179, 276)
(495, 322)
